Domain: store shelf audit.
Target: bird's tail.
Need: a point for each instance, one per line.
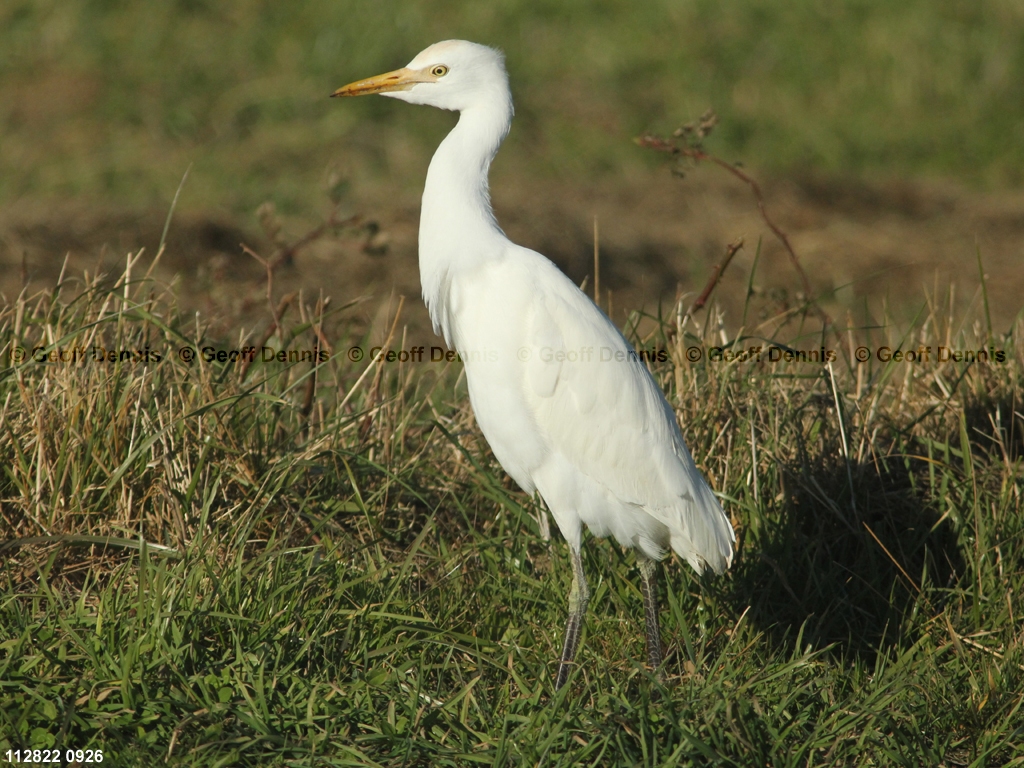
(705, 539)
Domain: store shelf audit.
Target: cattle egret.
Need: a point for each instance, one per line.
(563, 399)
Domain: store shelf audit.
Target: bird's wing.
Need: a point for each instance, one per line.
(603, 412)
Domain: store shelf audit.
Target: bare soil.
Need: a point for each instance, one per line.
(866, 246)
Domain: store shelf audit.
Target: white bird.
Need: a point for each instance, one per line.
(562, 398)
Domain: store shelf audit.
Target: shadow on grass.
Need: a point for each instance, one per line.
(995, 422)
(847, 575)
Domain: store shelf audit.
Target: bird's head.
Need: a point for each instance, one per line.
(454, 74)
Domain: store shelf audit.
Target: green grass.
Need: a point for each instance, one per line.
(111, 101)
(205, 564)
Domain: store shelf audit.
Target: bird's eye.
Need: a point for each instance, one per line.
(439, 71)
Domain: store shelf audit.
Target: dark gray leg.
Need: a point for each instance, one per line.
(579, 596)
(649, 588)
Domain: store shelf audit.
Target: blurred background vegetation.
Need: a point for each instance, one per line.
(110, 100)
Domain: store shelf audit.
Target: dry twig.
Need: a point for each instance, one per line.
(690, 147)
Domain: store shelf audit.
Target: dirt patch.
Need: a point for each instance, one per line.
(862, 244)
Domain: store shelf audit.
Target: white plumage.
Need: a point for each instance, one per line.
(564, 402)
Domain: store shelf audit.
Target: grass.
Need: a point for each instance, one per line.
(112, 101)
(276, 563)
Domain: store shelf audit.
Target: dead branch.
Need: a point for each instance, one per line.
(697, 153)
(716, 275)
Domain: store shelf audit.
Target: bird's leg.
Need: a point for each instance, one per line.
(579, 596)
(649, 588)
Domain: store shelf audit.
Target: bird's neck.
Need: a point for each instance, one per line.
(458, 230)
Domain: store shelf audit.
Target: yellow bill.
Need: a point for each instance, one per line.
(398, 80)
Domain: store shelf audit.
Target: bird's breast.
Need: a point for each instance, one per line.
(490, 312)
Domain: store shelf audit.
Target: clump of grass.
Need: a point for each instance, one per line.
(320, 563)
